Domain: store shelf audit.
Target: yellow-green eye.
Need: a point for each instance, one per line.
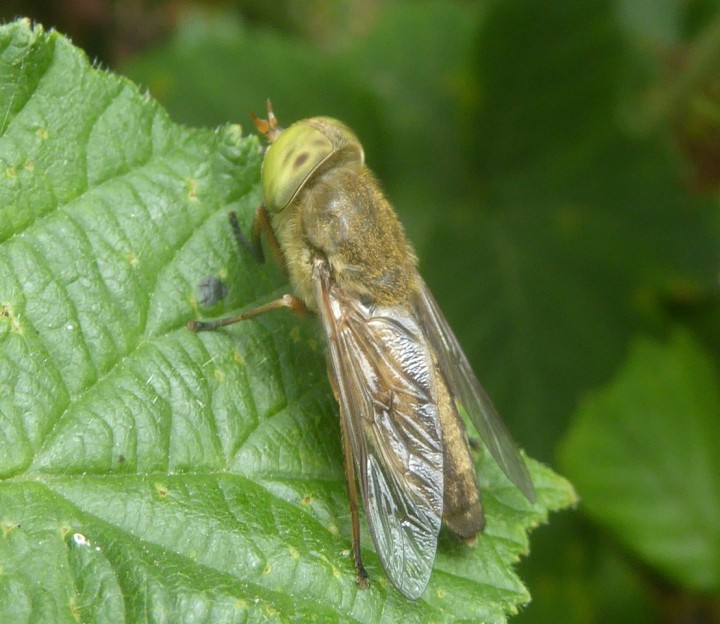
(298, 152)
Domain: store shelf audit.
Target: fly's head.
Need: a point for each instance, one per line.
(297, 154)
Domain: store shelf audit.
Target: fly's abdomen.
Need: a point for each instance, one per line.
(462, 509)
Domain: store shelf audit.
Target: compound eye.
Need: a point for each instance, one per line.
(290, 161)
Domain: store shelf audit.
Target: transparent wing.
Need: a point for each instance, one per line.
(386, 386)
(467, 390)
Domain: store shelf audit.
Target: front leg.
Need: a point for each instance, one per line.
(261, 223)
(361, 575)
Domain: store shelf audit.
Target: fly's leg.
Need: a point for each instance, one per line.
(363, 580)
(290, 302)
(252, 246)
(261, 224)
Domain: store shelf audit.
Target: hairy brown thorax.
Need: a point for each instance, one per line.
(343, 214)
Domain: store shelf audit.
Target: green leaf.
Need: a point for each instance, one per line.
(152, 474)
(645, 456)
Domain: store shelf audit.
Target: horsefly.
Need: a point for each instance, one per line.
(395, 366)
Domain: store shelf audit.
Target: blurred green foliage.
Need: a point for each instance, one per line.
(556, 166)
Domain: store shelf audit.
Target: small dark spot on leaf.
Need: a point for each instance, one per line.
(211, 289)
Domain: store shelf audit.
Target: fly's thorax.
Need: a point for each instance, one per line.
(346, 217)
(342, 214)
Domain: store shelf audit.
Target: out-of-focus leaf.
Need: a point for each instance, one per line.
(576, 223)
(651, 22)
(576, 571)
(645, 456)
(151, 474)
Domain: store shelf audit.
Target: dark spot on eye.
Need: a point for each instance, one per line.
(301, 159)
